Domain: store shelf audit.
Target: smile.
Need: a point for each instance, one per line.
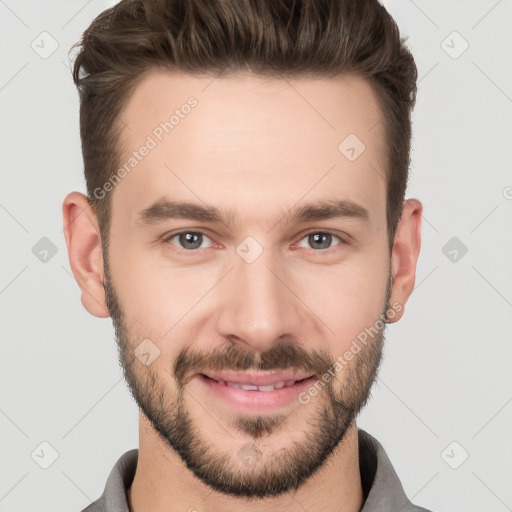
(252, 387)
(255, 393)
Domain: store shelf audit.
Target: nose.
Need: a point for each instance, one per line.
(259, 304)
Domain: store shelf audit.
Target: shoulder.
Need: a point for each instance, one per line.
(381, 485)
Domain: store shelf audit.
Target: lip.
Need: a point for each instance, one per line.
(254, 400)
(258, 379)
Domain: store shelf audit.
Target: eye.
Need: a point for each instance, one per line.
(188, 240)
(320, 240)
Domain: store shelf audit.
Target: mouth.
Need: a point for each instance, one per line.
(254, 387)
(257, 392)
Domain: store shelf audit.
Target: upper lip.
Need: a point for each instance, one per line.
(259, 378)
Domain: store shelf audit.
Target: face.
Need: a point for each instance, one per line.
(272, 270)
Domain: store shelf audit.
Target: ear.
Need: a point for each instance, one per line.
(83, 240)
(406, 249)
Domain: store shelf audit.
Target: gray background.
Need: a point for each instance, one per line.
(445, 388)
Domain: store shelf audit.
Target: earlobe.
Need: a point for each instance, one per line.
(83, 240)
(406, 249)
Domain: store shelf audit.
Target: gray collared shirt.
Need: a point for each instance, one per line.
(382, 489)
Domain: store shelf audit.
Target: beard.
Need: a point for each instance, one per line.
(330, 414)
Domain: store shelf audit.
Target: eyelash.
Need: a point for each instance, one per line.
(171, 236)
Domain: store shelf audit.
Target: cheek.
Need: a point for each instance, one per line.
(140, 289)
(347, 299)
(160, 301)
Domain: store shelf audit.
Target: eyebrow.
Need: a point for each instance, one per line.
(165, 209)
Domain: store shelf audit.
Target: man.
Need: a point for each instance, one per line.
(245, 228)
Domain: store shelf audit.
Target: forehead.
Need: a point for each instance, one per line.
(313, 107)
(254, 139)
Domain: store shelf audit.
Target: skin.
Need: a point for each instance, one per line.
(258, 147)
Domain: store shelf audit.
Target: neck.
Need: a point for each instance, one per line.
(163, 483)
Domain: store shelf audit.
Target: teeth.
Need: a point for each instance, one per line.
(248, 387)
(267, 388)
(251, 387)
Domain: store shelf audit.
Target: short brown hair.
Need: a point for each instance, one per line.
(282, 38)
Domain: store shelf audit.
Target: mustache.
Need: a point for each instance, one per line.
(284, 356)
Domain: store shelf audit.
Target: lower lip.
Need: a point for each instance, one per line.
(253, 400)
